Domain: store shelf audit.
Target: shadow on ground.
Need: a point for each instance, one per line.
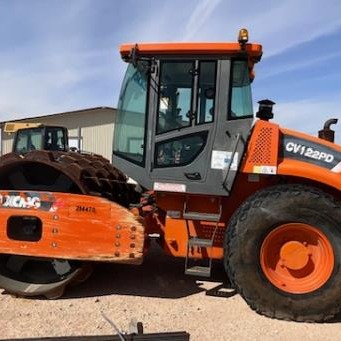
(159, 276)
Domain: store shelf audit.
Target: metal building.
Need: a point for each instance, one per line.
(90, 129)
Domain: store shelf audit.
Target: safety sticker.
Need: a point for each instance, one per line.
(222, 159)
(169, 187)
(264, 169)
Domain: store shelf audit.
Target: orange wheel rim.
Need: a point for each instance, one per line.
(297, 258)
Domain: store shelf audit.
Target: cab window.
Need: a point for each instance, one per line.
(175, 96)
(131, 114)
(179, 151)
(240, 97)
(186, 100)
(28, 140)
(206, 92)
(55, 139)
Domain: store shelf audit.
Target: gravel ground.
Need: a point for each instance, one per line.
(157, 294)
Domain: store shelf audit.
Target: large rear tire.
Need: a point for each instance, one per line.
(283, 253)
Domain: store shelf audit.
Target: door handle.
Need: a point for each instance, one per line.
(193, 176)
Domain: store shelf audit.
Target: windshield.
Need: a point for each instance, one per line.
(28, 140)
(131, 115)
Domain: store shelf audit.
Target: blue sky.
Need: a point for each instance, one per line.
(60, 55)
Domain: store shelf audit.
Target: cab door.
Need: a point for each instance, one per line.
(184, 121)
(195, 136)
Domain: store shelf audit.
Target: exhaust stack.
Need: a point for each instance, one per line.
(326, 133)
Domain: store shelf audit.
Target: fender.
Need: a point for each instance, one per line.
(275, 150)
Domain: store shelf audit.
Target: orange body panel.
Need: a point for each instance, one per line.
(265, 155)
(176, 230)
(176, 238)
(261, 156)
(73, 227)
(309, 171)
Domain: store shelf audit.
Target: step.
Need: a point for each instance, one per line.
(194, 241)
(201, 216)
(202, 271)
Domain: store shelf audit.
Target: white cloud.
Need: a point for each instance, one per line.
(51, 84)
(290, 23)
(57, 64)
(278, 25)
(200, 16)
(309, 115)
(292, 66)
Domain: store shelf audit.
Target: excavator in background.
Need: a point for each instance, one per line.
(215, 185)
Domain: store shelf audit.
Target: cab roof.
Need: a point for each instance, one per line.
(253, 52)
(155, 49)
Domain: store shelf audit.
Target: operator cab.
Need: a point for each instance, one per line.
(184, 114)
(40, 138)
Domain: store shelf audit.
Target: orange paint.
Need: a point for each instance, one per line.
(297, 258)
(306, 170)
(294, 255)
(253, 52)
(177, 231)
(73, 227)
(262, 148)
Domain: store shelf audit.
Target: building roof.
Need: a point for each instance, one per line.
(60, 113)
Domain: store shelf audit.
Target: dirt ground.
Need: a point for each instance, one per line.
(158, 294)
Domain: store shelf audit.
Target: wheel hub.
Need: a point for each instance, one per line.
(294, 255)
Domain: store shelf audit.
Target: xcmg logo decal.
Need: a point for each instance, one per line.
(18, 201)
